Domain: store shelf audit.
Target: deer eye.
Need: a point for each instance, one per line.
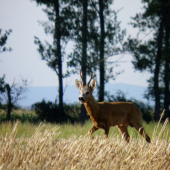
(87, 92)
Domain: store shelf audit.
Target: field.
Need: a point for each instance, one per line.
(51, 146)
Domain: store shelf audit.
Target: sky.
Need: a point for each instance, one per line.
(24, 61)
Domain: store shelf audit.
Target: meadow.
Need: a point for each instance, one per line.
(67, 146)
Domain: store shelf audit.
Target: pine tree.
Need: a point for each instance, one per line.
(59, 25)
(153, 55)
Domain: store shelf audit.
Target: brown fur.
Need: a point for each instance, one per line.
(105, 115)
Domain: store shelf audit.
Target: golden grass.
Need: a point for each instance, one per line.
(46, 149)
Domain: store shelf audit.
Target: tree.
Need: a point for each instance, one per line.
(59, 25)
(102, 46)
(109, 42)
(10, 94)
(57, 40)
(84, 38)
(151, 54)
(2, 86)
(3, 48)
(84, 54)
(166, 52)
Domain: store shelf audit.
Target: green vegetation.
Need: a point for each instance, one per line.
(29, 122)
(50, 112)
(21, 115)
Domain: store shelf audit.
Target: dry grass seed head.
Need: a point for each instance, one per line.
(46, 150)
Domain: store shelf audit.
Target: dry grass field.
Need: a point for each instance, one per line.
(46, 148)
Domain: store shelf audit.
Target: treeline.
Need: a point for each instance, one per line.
(47, 111)
(93, 28)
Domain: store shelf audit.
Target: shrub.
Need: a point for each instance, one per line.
(47, 111)
(50, 112)
(72, 110)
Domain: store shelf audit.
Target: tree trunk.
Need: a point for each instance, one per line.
(9, 102)
(157, 71)
(167, 61)
(166, 82)
(57, 39)
(83, 114)
(102, 62)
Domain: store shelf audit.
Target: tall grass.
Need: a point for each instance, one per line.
(48, 147)
(67, 130)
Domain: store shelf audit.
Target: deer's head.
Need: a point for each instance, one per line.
(86, 91)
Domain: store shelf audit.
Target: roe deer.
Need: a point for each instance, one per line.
(104, 114)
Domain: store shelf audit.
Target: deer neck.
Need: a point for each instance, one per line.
(92, 107)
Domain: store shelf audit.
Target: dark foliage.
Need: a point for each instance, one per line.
(3, 41)
(50, 112)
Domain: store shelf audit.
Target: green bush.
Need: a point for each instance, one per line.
(50, 112)
(73, 110)
(47, 111)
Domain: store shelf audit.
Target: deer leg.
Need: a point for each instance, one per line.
(93, 129)
(106, 132)
(124, 132)
(141, 130)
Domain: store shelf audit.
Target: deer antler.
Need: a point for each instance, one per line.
(91, 77)
(81, 76)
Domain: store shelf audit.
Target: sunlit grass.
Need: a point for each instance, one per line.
(67, 130)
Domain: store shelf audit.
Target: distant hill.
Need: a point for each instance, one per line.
(36, 94)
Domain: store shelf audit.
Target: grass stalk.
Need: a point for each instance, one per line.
(48, 147)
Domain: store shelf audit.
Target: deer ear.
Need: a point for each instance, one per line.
(78, 84)
(93, 85)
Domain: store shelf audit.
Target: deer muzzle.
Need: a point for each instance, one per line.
(81, 100)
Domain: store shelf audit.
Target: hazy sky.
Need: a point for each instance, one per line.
(24, 61)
